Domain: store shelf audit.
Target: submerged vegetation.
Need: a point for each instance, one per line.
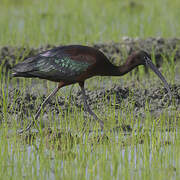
(141, 139)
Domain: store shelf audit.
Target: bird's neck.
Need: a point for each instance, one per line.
(123, 69)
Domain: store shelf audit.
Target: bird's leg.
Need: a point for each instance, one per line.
(87, 108)
(45, 102)
(41, 107)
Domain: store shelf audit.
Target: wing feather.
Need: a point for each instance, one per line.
(64, 68)
(61, 63)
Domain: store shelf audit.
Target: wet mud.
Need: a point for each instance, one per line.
(123, 100)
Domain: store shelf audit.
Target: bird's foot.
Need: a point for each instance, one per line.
(28, 127)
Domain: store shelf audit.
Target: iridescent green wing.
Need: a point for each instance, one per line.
(62, 68)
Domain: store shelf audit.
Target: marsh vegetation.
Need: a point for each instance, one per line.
(141, 139)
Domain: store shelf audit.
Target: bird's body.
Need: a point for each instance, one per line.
(74, 64)
(71, 64)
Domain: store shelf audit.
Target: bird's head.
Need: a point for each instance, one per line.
(139, 58)
(143, 58)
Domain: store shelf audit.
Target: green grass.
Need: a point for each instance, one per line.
(148, 153)
(35, 23)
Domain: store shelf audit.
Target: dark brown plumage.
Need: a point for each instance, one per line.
(74, 64)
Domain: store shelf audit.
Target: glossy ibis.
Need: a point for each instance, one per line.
(74, 64)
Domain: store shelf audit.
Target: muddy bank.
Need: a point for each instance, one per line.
(122, 100)
(115, 51)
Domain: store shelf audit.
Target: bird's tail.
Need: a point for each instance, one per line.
(22, 70)
(21, 74)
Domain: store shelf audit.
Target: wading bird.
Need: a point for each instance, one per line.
(74, 64)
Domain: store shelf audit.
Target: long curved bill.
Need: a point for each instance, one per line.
(154, 68)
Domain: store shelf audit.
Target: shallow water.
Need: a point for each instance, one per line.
(136, 157)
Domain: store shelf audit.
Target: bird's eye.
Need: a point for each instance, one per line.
(146, 60)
